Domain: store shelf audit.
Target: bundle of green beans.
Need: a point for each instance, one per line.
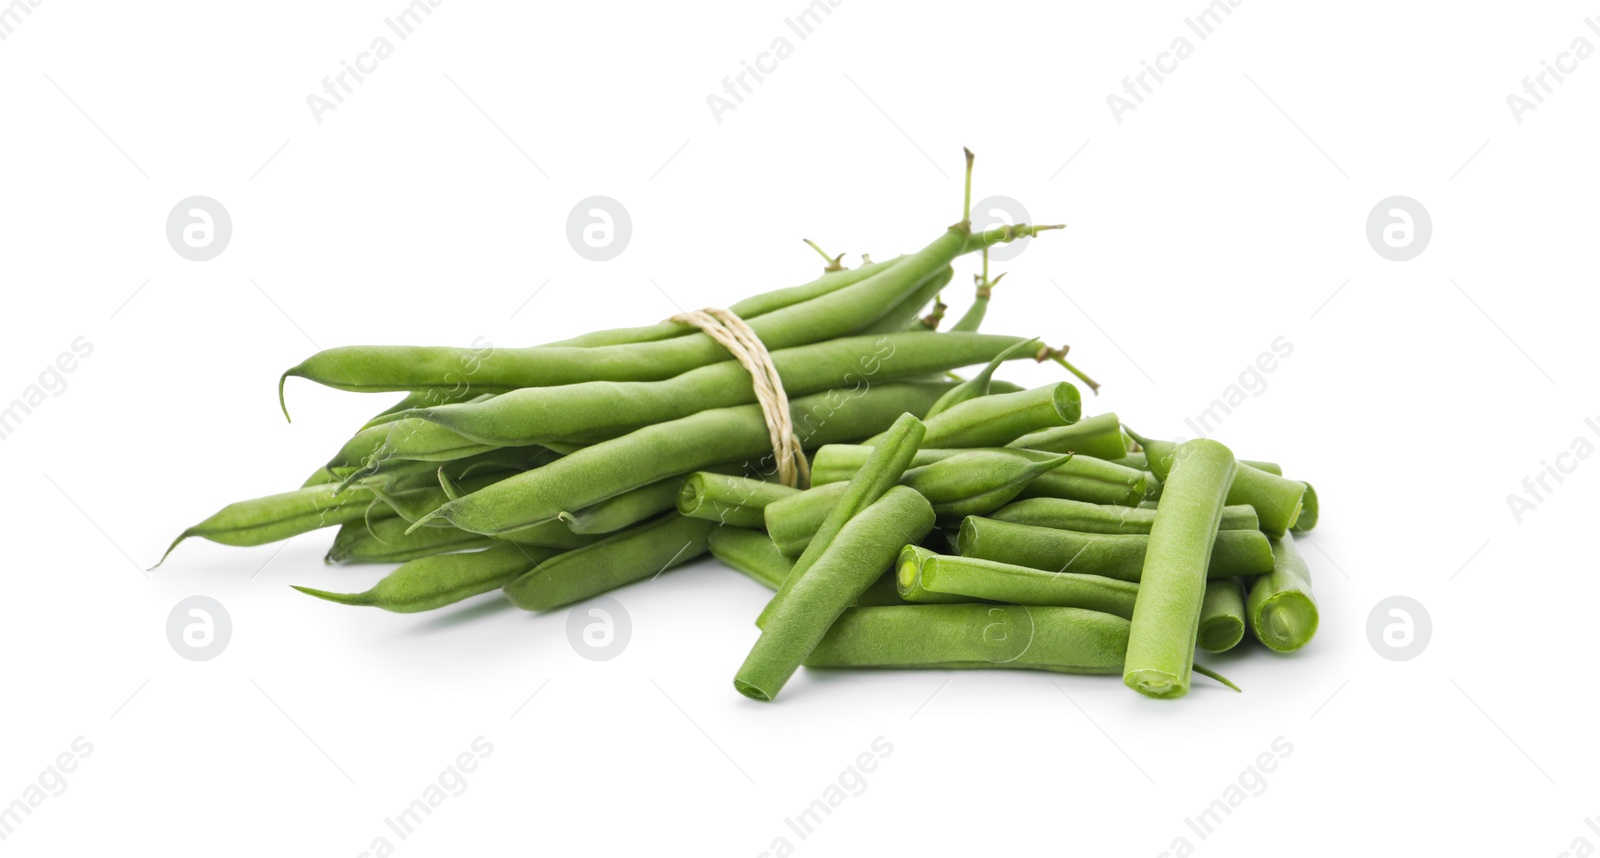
(947, 522)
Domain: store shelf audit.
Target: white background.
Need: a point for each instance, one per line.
(1225, 211)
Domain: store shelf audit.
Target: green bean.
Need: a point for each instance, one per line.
(413, 504)
(817, 593)
(549, 534)
(397, 475)
(749, 308)
(640, 552)
(1074, 487)
(931, 321)
(1141, 461)
(750, 552)
(737, 501)
(881, 592)
(980, 384)
(903, 316)
(597, 411)
(836, 314)
(1172, 585)
(908, 580)
(883, 469)
(992, 421)
(977, 482)
(931, 578)
(1282, 612)
(1221, 616)
(656, 452)
(1061, 640)
(259, 521)
(839, 462)
(386, 541)
(1062, 514)
(1308, 511)
(442, 579)
(1277, 500)
(792, 521)
(972, 319)
(1114, 555)
(633, 506)
(1099, 436)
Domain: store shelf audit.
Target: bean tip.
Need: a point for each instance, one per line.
(338, 598)
(282, 402)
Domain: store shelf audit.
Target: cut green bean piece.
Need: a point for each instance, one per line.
(1221, 616)
(692, 443)
(750, 552)
(635, 554)
(1062, 640)
(1114, 555)
(883, 470)
(815, 594)
(994, 421)
(1141, 461)
(633, 506)
(732, 500)
(433, 582)
(980, 384)
(908, 579)
(1282, 612)
(386, 541)
(1099, 436)
(794, 520)
(1308, 511)
(1172, 585)
(935, 577)
(1062, 514)
(1277, 500)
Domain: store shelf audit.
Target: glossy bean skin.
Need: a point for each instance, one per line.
(1099, 436)
(731, 500)
(636, 554)
(433, 582)
(263, 520)
(386, 541)
(1113, 555)
(750, 552)
(1277, 500)
(1281, 610)
(1221, 616)
(927, 577)
(973, 636)
(996, 420)
(489, 369)
(1081, 517)
(1177, 561)
(749, 308)
(604, 470)
(881, 472)
(852, 559)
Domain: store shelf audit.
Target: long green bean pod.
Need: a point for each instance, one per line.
(1099, 436)
(1114, 555)
(726, 499)
(750, 552)
(442, 579)
(883, 470)
(1280, 608)
(814, 595)
(692, 443)
(386, 541)
(1061, 640)
(928, 577)
(980, 384)
(1221, 616)
(259, 521)
(1062, 514)
(794, 520)
(1172, 585)
(640, 552)
(633, 506)
(994, 421)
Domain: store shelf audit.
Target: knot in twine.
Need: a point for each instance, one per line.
(731, 332)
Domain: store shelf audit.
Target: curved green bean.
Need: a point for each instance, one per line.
(1061, 640)
(635, 554)
(928, 577)
(814, 595)
(1221, 616)
(980, 384)
(1099, 436)
(1172, 585)
(258, 521)
(1114, 555)
(1062, 514)
(1280, 608)
(442, 579)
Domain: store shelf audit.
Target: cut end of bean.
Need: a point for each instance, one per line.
(1159, 684)
(358, 599)
(1286, 621)
(751, 691)
(1220, 635)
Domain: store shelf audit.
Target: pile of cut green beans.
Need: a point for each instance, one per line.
(949, 520)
